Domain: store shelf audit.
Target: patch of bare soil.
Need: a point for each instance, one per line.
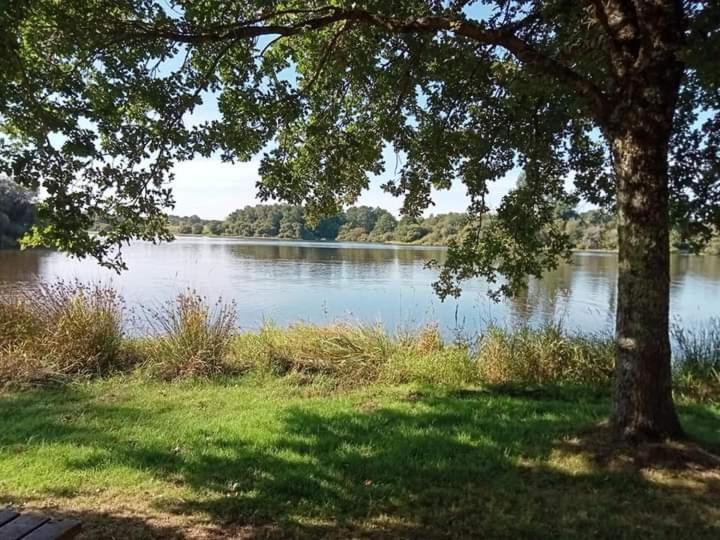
(675, 457)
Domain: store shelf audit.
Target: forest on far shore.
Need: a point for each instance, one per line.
(590, 229)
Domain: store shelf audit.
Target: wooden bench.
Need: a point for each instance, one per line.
(15, 526)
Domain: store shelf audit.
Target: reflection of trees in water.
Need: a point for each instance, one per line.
(702, 267)
(329, 254)
(586, 280)
(538, 302)
(679, 266)
(599, 280)
(307, 263)
(20, 268)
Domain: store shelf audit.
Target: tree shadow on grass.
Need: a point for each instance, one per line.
(455, 468)
(470, 464)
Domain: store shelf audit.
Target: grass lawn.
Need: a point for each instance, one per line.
(253, 457)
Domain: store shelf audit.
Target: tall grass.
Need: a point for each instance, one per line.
(18, 323)
(74, 329)
(59, 329)
(544, 355)
(697, 359)
(190, 337)
(698, 348)
(351, 354)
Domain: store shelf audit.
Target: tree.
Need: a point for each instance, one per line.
(409, 230)
(384, 226)
(620, 95)
(329, 227)
(16, 213)
(362, 217)
(216, 228)
(292, 224)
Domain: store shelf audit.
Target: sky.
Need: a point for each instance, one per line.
(212, 189)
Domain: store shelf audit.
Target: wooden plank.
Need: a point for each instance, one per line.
(63, 529)
(7, 515)
(19, 527)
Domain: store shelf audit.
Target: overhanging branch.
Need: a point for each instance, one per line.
(504, 37)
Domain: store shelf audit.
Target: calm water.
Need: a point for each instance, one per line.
(322, 282)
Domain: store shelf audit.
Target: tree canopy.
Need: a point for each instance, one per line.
(16, 213)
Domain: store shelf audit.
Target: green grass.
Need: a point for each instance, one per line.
(260, 456)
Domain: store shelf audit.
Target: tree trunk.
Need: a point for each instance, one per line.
(643, 404)
(649, 73)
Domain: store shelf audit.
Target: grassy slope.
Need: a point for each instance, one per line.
(253, 457)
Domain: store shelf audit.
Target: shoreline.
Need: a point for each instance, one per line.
(392, 243)
(302, 240)
(396, 243)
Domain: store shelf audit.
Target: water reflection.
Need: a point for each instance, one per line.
(320, 282)
(19, 267)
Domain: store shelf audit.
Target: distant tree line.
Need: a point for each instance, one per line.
(17, 212)
(591, 229)
(597, 229)
(356, 224)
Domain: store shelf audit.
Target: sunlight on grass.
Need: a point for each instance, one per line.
(397, 460)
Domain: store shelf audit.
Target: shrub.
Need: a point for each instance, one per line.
(190, 337)
(63, 328)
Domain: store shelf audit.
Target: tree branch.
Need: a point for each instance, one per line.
(503, 36)
(325, 57)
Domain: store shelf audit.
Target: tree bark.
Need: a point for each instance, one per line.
(640, 131)
(643, 403)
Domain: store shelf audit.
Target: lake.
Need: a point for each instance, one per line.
(321, 282)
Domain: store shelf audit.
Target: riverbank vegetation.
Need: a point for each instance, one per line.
(66, 331)
(590, 229)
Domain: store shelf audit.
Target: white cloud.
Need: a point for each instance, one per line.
(212, 189)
